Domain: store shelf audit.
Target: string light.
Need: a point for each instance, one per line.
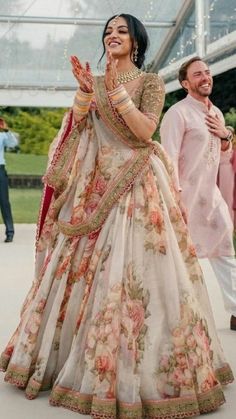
(149, 14)
(190, 43)
(65, 55)
(186, 44)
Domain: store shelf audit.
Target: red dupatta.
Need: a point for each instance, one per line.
(49, 190)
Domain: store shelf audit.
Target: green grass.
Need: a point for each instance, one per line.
(25, 205)
(25, 202)
(25, 164)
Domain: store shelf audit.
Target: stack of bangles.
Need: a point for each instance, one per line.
(121, 100)
(82, 102)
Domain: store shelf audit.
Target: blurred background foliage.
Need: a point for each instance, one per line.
(36, 127)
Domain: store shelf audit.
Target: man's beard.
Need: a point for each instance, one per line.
(203, 93)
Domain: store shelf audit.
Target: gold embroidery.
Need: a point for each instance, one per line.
(153, 96)
(173, 408)
(150, 103)
(181, 407)
(58, 174)
(4, 361)
(224, 375)
(32, 389)
(117, 188)
(17, 375)
(72, 400)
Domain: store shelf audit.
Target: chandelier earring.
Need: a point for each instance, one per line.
(135, 54)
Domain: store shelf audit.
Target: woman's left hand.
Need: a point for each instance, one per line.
(82, 74)
(216, 126)
(111, 73)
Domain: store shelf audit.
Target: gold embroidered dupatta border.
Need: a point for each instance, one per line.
(111, 117)
(57, 174)
(49, 184)
(124, 180)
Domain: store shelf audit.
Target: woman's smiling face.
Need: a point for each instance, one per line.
(117, 38)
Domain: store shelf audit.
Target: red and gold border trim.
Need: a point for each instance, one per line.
(88, 404)
(175, 408)
(116, 189)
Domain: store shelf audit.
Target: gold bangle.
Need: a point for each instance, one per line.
(127, 107)
(118, 93)
(84, 95)
(81, 110)
(82, 102)
(121, 100)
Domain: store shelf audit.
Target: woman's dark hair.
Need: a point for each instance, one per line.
(138, 35)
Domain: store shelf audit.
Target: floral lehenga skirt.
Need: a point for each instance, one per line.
(118, 322)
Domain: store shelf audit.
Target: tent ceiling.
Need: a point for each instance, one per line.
(37, 38)
(38, 53)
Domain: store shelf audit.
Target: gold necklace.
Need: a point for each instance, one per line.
(129, 75)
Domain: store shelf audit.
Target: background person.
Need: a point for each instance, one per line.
(7, 140)
(193, 133)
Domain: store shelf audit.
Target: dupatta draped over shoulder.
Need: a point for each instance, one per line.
(117, 323)
(122, 176)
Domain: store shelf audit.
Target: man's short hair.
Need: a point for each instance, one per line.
(184, 68)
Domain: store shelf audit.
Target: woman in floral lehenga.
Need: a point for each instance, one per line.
(118, 322)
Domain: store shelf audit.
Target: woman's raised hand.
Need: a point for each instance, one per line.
(111, 73)
(82, 74)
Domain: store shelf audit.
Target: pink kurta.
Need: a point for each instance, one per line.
(196, 155)
(226, 179)
(233, 161)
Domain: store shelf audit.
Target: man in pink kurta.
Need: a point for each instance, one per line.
(226, 179)
(193, 133)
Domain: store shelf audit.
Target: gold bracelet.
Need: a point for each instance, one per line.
(125, 107)
(121, 100)
(82, 102)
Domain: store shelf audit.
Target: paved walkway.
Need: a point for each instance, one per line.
(16, 275)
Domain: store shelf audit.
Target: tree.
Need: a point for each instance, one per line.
(36, 129)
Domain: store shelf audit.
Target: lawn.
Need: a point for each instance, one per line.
(25, 164)
(25, 202)
(25, 205)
